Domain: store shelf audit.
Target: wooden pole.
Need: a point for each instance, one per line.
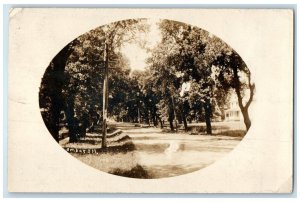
(105, 98)
(139, 116)
(138, 106)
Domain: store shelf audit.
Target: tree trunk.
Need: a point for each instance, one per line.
(244, 109)
(69, 109)
(171, 118)
(171, 124)
(161, 123)
(174, 112)
(184, 122)
(184, 112)
(247, 120)
(154, 121)
(207, 108)
(180, 119)
(85, 124)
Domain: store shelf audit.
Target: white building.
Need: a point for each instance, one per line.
(233, 112)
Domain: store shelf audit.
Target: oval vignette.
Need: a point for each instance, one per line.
(145, 98)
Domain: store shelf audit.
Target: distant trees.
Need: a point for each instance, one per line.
(189, 76)
(191, 55)
(183, 59)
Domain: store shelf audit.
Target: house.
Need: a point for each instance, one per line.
(233, 112)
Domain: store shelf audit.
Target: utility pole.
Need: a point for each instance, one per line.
(139, 117)
(138, 106)
(105, 96)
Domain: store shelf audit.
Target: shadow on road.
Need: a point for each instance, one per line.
(136, 172)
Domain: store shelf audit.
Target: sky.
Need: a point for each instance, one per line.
(136, 55)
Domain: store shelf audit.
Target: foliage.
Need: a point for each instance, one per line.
(185, 56)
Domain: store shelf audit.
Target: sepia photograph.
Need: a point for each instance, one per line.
(147, 98)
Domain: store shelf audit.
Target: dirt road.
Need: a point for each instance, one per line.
(166, 154)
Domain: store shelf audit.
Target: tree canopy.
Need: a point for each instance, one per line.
(189, 76)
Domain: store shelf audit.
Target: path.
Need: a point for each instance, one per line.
(166, 154)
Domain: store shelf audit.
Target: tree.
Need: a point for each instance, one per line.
(164, 81)
(233, 73)
(205, 59)
(50, 95)
(189, 58)
(85, 71)
(83, 82)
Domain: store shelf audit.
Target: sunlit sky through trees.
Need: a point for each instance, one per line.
(135, 53)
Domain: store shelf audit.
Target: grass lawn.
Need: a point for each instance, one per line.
(118, 158)
(117, 163)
